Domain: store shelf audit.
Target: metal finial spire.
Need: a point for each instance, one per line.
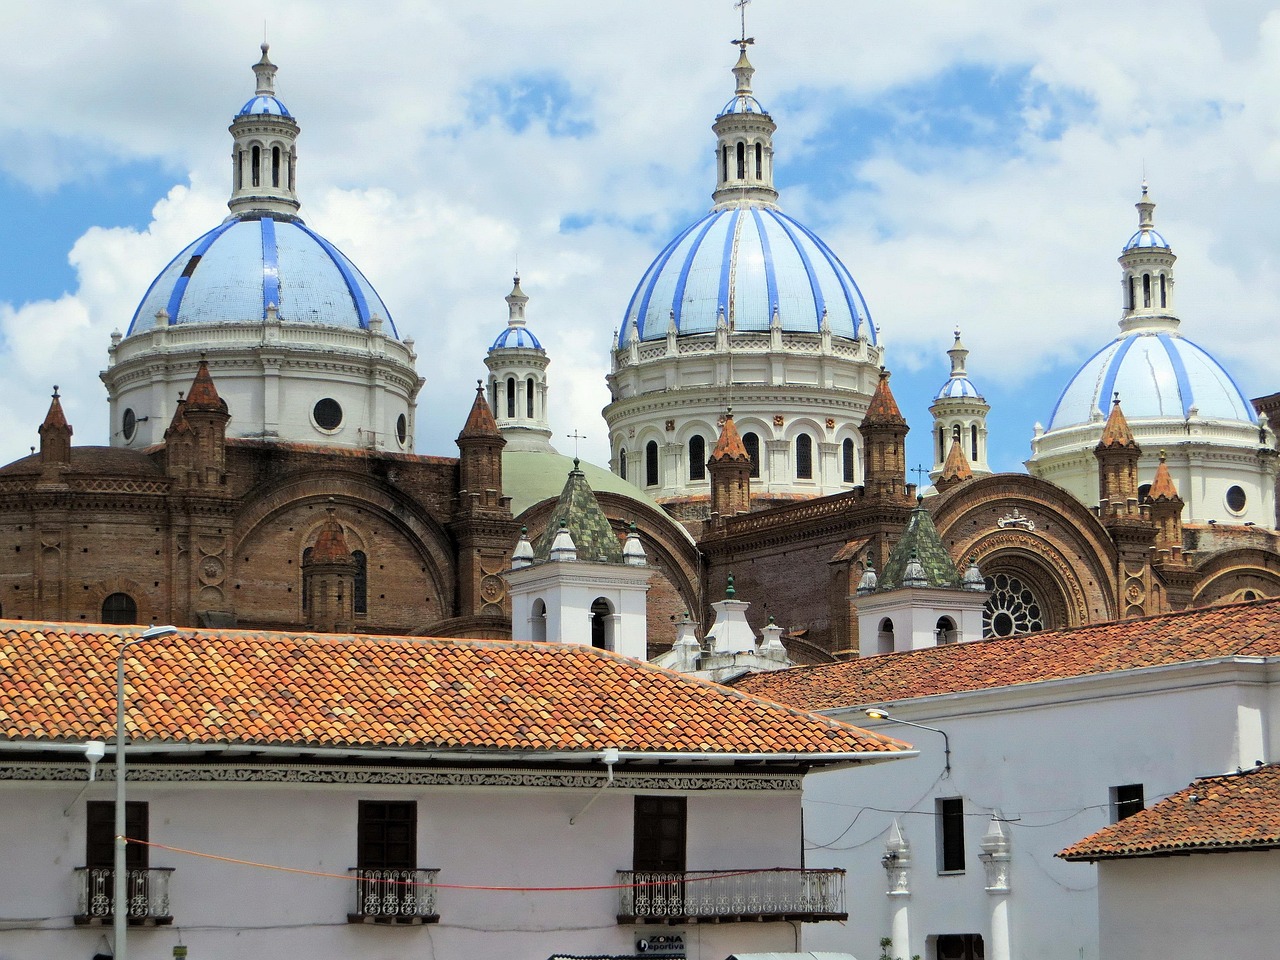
(743, 39)
(576, 436)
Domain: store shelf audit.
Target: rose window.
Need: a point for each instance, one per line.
(1011, 608)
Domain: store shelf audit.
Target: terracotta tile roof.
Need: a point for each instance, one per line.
(57, 683)
(729, 446)
(883, 408)
(480, 422)
(957, 465)
(1238, 811)
(1240, 629)
(1117, 433)
(1162, 487)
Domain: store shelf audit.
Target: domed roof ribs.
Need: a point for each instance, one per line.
(815, 289)
(853, 298)
(677, 296)
(197, 251)
(649, 281)
(348, 272)
(770, 274)
(727, 263)
(271, 268)
(1108, 389)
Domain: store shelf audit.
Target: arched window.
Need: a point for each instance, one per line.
(742, 161)
(601, 624)
(275, 166)
(528, 398)
(622, 463)
(119, 608)
(751, 443)
(759, 162)
(724, 163)
(697, 458)
(651, 463)
(1164, 299)
(1133, 295)
(884, 636)
(255, 161)
(1146, 289)
(360, 595)
(955, 433)
(944, 631)
(804, 457)
(538, 621)
(292, 159)
(306, 555)
(846, 458)
(973, 441)
(239, 169)
(942, 444)
(511, 398)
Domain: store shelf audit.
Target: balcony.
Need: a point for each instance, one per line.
(394, 896)
(731, 896)
(146, 894)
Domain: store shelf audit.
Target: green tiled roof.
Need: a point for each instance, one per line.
(581, 515)
(920, 538)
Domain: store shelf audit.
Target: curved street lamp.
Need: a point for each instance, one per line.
(877, 713)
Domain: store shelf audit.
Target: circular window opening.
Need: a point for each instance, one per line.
(402, 429)
(129, 424)
(1236, 500)
(327, 414)
(1002, 624)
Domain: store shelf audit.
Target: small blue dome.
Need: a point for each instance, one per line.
(1157, 374)
(517, 338)
(264, 104)
(1147, 237)
(743, 262)
(742, 103)
(958, 387)
(239, 268)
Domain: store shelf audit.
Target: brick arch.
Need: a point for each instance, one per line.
(98, 592)
(1226, 576)
(669, 549)
(1048, 538)
(430, 541)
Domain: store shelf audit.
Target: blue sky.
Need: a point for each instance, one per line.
(974, 165)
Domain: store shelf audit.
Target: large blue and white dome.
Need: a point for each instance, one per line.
(247, 264)
(744, 262)
(1156, 374)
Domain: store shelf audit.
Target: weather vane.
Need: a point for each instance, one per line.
(743, 39)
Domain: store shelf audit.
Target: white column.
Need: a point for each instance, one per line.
(897, 864)
(995, 858)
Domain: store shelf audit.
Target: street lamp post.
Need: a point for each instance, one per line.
(875, 713)
(120, 892)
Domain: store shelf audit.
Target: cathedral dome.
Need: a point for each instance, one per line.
(745, 263)
(246, 265)
(264, 106)
(957, 388)
(1156, 374)
(516, 338)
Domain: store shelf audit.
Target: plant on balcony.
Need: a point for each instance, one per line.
(885, 944)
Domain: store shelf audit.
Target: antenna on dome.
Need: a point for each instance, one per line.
(743, 39)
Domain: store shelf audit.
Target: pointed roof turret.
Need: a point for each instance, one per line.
(883, 408)
(55, 433)
(203, 395)
(957, 466)
(921, 554)
(729, 446)
(578, 513)
(331, 541)
(1116, 433)
(480, 422)
(1162, 487)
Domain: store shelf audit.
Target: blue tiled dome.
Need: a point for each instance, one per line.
(1147, 237)
(264, 105)
(516, 338)
(957, 387)
(239, 268)
(744, 261)
(1157, 374)
(742, 103)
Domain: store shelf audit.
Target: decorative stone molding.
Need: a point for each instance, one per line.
(996, 855)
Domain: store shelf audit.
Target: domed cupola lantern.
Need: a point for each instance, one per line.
(1177, 397)
(745, 307)
(959, 417)
(518, 380)
(300, 344)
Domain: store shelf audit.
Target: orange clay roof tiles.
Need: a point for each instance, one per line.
(1241, 629)
(1239, 811)
(57, 682)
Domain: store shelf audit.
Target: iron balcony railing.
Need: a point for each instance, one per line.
(146, 895)
(394, 896)
(723, 896)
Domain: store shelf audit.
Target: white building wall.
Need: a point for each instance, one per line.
(1204, 905)
(484, 836)
(1045, 755)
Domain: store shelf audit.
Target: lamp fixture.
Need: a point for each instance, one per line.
(879, 713)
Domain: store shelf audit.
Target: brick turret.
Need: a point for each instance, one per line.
(55, 437)
(196, 441)
(329, 580)
(1117, 453)
(730, 469)
(1127, 521)
(884, 435)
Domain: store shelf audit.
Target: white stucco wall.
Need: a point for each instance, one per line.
(487, 836)
(1203, 905)
(1046, 756)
